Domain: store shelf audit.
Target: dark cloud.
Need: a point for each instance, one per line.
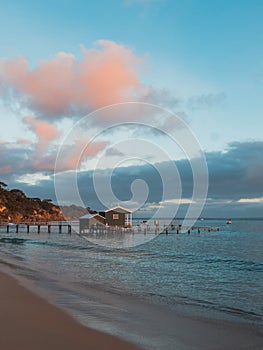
(234, 174)
(237, 172)
(14, 158)
(233, 210)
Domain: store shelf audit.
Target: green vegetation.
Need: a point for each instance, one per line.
(15, 206)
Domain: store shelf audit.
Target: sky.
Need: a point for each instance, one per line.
(188, 75)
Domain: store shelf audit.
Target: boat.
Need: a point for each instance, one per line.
(229, 222)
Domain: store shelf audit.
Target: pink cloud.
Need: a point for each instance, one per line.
(44, 131)
(25, 142)
(16, 157)
(6, 169)
(108, 76)
(70, 157)
(104, 75)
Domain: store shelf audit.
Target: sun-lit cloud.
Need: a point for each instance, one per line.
(44, 131)
(108, 76)
(22, 159)
(23, 141)
(71, 157)
(104, 75)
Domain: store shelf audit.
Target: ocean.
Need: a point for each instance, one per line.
(134, 293)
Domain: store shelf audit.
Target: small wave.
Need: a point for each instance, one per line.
(245, 265)
(14, 240)
(248, 314)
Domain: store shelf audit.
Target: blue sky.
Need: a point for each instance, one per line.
(191, 48)
(202, 59)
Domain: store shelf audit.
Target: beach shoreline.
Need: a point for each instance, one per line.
(116, 292)
(27, 321)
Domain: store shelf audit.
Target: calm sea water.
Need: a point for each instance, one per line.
(211, 274)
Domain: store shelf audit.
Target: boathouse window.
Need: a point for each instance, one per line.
(115, 216)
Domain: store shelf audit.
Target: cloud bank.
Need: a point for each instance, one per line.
(104, 75)
(235, 179)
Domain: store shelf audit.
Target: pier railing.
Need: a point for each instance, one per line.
(60, 225)
(68, 226)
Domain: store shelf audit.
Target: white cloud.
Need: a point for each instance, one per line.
(33, 179)
(177, 201)
(251, 200)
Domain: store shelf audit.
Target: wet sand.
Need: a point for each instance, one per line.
(28, 322)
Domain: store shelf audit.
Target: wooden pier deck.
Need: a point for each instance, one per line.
(60, 226)
(69, 227)
(147, 229)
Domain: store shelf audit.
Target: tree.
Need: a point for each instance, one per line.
(18, 193)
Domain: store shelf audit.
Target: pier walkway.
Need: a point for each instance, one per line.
(60, 226)
(70, 226)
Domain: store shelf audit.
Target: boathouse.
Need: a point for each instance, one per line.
(89, 221)
(118, 216)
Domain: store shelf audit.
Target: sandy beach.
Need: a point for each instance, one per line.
(29, 322)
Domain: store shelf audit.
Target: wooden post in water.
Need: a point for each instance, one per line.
(60, 228)
(27, 228)
(48, 228)
(7, 228)
(17, 228)
(38, 228)
(69, 228)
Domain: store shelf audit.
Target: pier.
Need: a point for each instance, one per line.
(173, 229)
(69, 226)
(146, 228)
(59, 227)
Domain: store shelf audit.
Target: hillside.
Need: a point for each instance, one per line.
(15, 206)
(73, 212)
